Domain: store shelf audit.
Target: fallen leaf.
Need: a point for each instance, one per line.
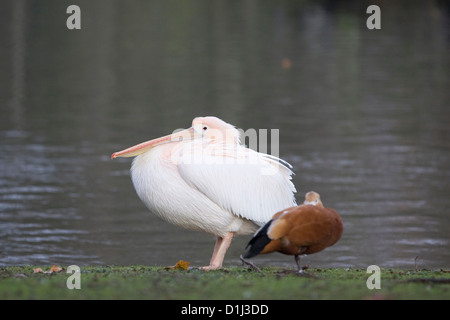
(180, 265)
(55, 268)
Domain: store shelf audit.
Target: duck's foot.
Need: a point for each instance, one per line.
(249, 264)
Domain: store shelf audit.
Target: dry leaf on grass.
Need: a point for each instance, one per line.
(180, 265)
(54, 268)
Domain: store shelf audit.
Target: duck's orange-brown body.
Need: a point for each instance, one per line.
(305, 229)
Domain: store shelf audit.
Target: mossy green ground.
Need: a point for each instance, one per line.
(143, 282)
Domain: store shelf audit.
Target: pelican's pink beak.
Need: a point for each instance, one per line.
(136, 150)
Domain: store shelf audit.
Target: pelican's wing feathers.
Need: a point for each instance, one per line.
(242, 181)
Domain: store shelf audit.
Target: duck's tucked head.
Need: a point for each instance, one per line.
(312, 198)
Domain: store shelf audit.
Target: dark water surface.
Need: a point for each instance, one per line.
(364, 118)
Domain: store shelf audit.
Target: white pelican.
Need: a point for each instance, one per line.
(203, 179)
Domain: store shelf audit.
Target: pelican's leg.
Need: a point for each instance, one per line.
(220, 249)
(216, 249)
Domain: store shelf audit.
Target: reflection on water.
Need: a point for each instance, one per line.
(363, 118)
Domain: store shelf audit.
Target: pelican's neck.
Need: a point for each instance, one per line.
(163, 153)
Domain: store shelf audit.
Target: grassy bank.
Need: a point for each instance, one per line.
(143, 282)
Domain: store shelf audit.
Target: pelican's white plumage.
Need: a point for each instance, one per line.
(251, 189)
(203, 179)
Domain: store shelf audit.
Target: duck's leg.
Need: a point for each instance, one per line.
(299, 267)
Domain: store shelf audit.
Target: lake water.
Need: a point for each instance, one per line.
(363, 116)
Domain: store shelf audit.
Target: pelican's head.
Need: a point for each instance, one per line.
(313, 198)
(207, 128)
(214, 129)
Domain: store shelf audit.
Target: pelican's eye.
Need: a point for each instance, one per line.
(205, 128)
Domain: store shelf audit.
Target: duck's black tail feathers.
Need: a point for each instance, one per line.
(258, 242)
